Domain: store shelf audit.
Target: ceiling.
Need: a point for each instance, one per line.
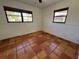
(37, 4)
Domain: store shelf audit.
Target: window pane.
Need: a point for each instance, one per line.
(13, 13)
(14, 16)
(27, 14)
(59, 19)
(61, 13)
(27, 17)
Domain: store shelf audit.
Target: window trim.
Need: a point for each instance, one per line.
(67, 8)
(6, 8)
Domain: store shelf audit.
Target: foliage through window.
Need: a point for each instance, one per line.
(60, 15)
(14, 15)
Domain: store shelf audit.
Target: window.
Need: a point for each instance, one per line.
(27, 17)
(60, 15)
(14, 15)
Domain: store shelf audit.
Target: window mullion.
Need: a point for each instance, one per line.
(22, 16)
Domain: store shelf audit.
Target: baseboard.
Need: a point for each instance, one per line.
(42, 32)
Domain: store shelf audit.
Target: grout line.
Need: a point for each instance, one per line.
(36, 54)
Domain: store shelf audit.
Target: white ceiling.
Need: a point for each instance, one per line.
(37, 4)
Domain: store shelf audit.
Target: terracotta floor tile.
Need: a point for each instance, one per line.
(64, 56)
(2, 55)
(39, 45)
(39, 40)
(11, 43)
(29, 51)
(54, 56)
(20, 46)
(45, 45)
(11, 54)
(12, 40)
(73, 45)
(70, 52)
(48, 51)
(51, 48)
(35, 57)
(26, 43)
(33, 45)
(4, 44)
(42, 54)
(48, 57)
(20, 54)
(36, 49)
(64, 42)
(62, 46)
(58, 51)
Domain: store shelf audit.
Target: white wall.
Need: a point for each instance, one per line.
(70, 30)
(14, 29)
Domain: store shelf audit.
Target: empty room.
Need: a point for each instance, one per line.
(39, 29)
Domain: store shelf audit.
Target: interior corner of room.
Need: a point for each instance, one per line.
(42, 20)
(43, 16)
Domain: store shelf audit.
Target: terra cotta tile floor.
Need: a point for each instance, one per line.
(37, 46)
